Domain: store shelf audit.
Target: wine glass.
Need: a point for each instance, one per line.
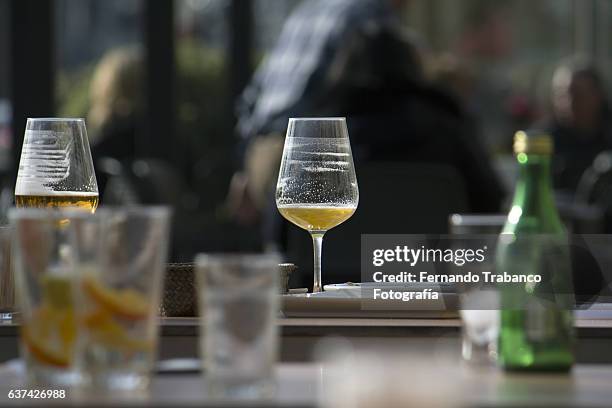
(56, 169)
(317, 187)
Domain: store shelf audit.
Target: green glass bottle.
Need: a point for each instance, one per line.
(537, 330)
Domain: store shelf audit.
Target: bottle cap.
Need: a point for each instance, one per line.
(533, 142)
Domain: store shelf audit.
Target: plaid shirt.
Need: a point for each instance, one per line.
(286, 83)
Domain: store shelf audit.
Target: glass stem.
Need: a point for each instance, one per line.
(317, 243)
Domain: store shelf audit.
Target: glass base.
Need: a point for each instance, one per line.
(48, 377)
(478, 354)
(241, 389)
(119, 381)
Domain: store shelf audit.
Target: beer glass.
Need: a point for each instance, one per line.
(56, 169)
(317, 187)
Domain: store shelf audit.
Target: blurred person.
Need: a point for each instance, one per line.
(581, 121)
(300, 77)
(116, 105)
(116, 108)
(298, 73)
(116, 93)
(352, 58)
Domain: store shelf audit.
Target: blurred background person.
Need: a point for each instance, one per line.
(116, 104)
(581, 126)
(354, 59)
(302, 76)
(115, 108)
(581, 121)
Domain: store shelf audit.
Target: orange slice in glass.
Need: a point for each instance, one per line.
(124, 303)
(50, 332)
(40, 349)
(105, 330)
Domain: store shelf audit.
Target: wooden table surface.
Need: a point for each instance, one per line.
(298, 385)
(308, 384)
(301, 379)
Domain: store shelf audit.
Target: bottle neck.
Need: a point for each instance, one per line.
(534, 193)
(535, 167)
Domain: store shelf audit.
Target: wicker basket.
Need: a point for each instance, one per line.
(179, 298)
(285, 271)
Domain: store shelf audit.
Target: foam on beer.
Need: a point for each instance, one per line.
(25, 190)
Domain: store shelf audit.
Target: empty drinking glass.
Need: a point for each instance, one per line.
(238, 307)
(479, 301)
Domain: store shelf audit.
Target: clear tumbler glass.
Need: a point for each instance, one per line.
(238, 308)
(122, 254)
(45, 267)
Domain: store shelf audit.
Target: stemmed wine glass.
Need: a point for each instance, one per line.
(317, 187)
